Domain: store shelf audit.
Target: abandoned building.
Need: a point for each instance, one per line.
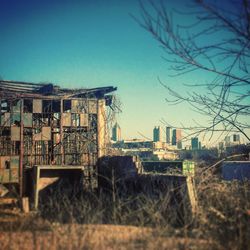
(46, 128)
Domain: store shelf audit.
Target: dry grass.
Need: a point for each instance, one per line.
(75, 236)
(224, 211)
(94, 221)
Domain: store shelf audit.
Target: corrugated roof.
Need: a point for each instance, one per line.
(25, 88)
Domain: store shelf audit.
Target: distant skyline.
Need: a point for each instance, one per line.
(91, 44)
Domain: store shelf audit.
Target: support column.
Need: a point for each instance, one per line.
(36, 186)
(21, 152)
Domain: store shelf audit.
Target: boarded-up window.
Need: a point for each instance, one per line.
(92, 106)
(75, 105)
(46, 133)
(84, 120)
(37, 106)
(27, 120)
(15, 133)
(66, 119)
(79, 106)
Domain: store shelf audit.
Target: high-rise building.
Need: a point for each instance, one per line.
(227, 141)
(157, 134)
(221, 145)
(176, 138)
(179, 144)
(236, 138)
(116, 133)
(195, 143)
(169, 135)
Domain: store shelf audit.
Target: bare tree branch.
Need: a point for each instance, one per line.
(216, 42)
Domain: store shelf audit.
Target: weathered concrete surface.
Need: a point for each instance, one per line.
(45, 176)
(119, 175)
(116, 169)
(3, 190)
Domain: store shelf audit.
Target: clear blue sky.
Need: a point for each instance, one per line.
(90, 44)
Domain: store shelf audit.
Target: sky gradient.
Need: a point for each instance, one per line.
(91, 44)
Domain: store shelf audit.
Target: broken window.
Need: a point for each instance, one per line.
(93, 122)
(56, 119)
(5, 106)
(15, 119)
(66, 106)
(46, 106)
(56, 106)
(75, 118)
(37, 134)
(5, 132)
(27, 106)
(16, 106)
(37, 120)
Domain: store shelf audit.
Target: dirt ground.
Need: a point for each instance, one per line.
(28, 231)
(96, 237)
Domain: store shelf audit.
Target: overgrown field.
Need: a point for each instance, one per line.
(68, 220)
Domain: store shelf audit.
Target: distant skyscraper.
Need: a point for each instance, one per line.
(116, 133)
(221, 145)
(195, 143)
(176, 138)
(169, 135)
(157, 134)
(236, 138)
(227, 141)
(179, 144)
